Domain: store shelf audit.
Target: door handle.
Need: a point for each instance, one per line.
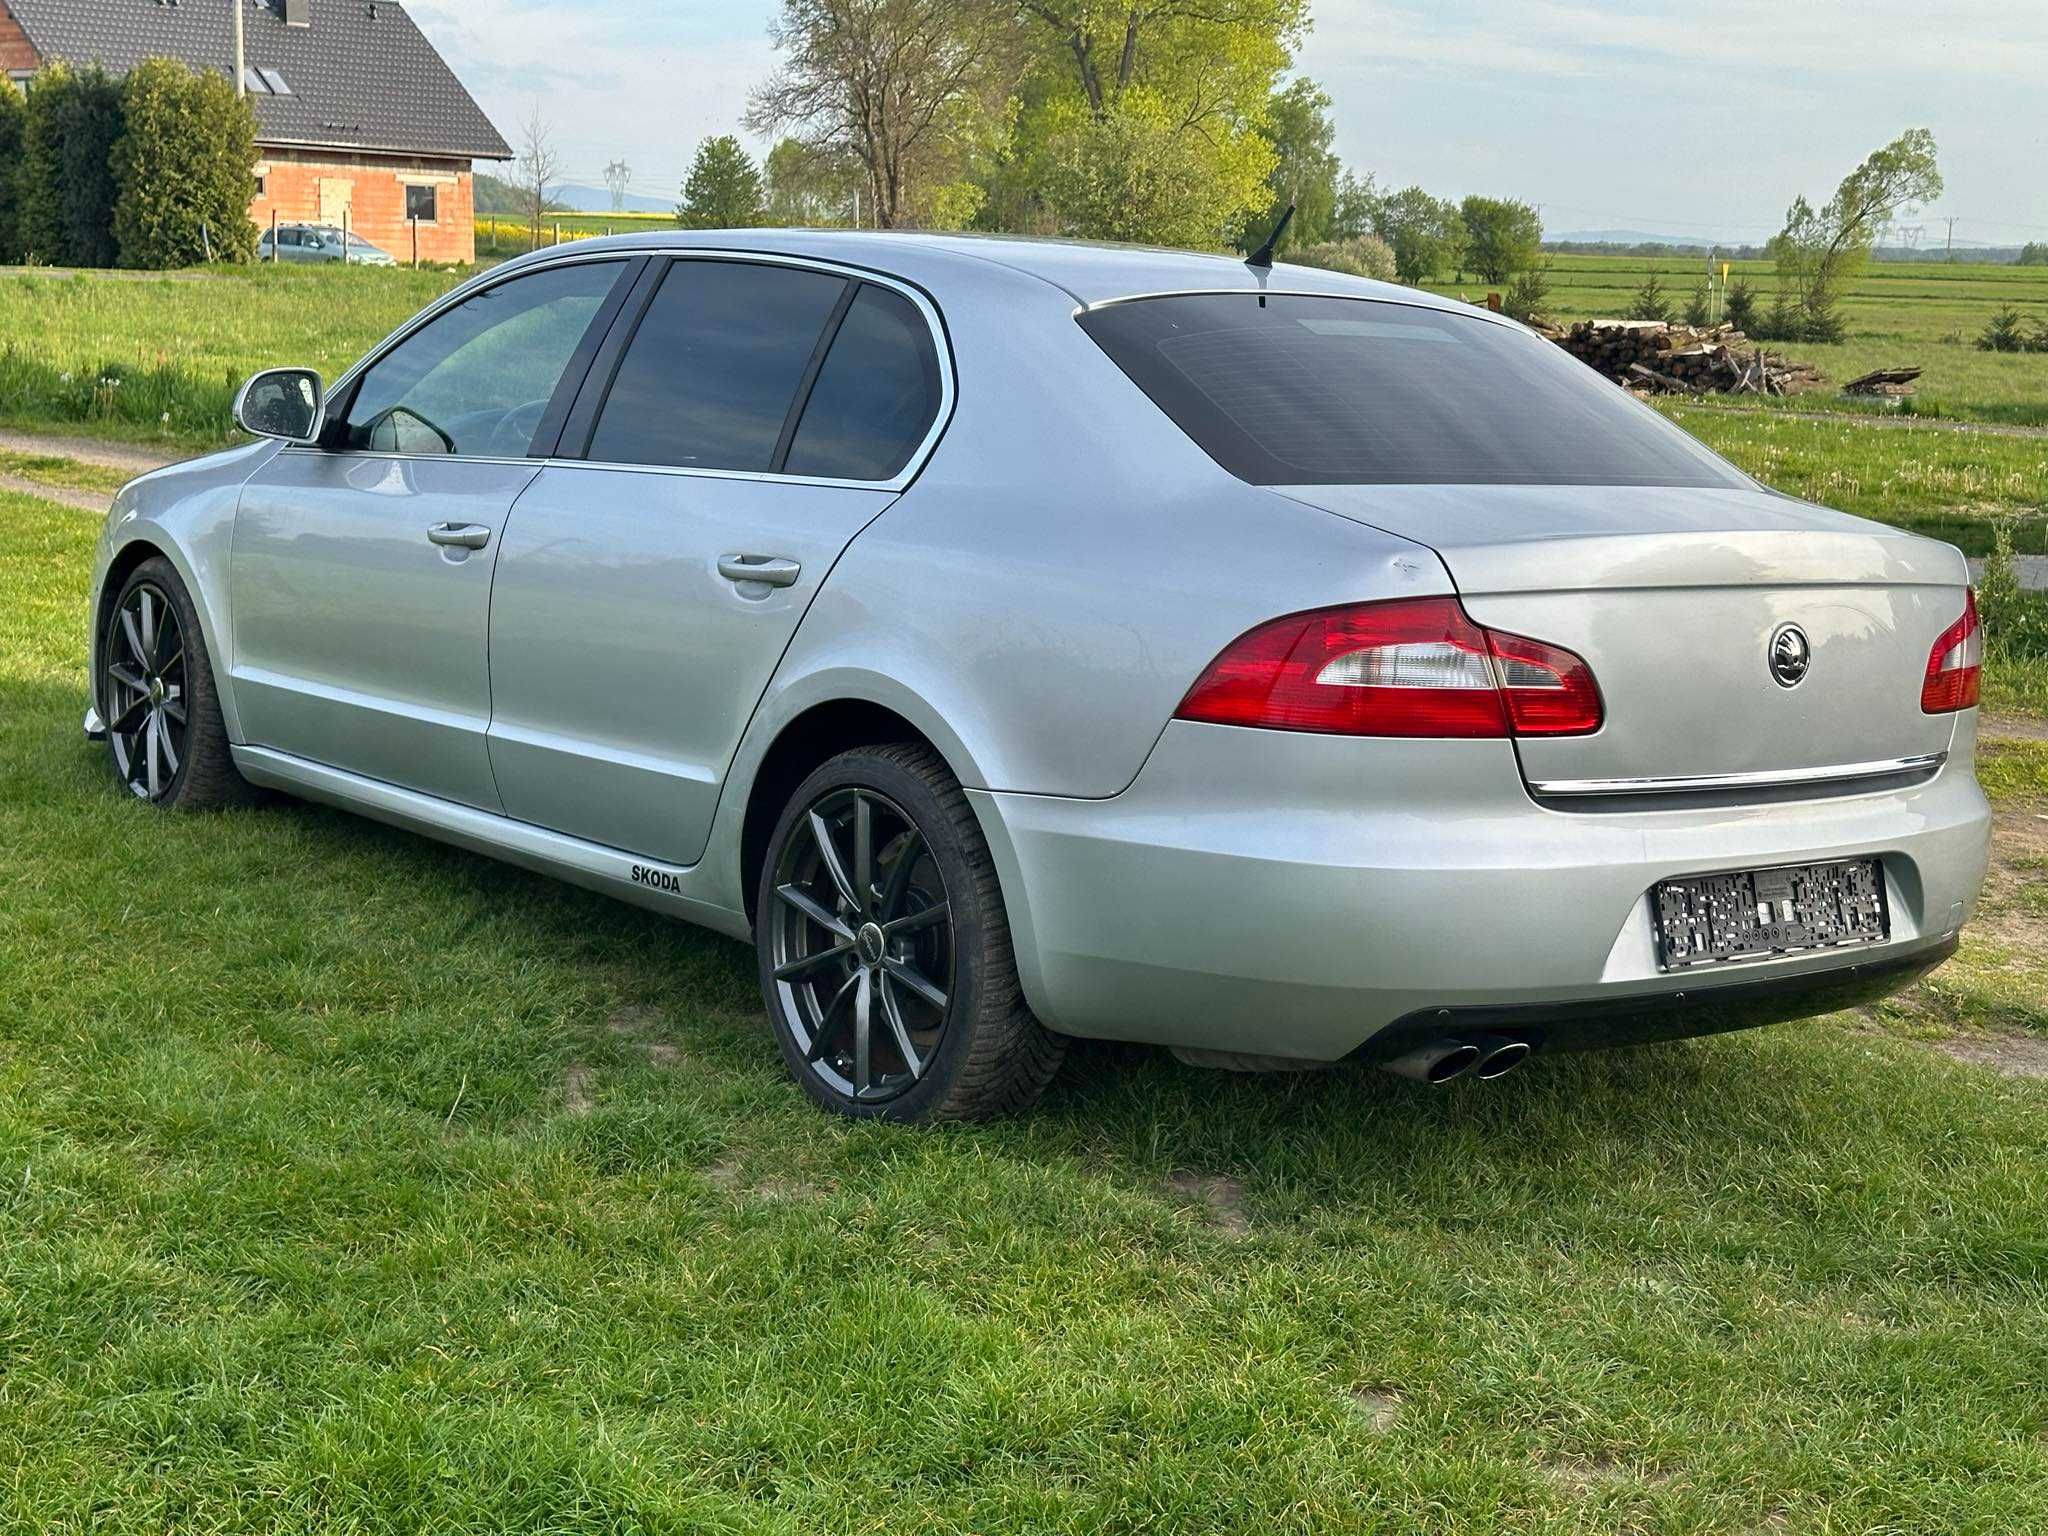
(769, 570)
(459, 535)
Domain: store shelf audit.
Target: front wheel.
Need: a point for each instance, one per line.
(885, 949)
(157, 698)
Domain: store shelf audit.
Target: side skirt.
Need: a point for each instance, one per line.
(592, 865)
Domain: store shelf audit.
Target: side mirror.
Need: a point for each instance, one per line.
(288, 403)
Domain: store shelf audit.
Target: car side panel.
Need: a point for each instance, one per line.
(188, 512)
(1069, 562)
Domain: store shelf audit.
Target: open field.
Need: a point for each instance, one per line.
(351, 1182)
(1899, 314)
(504, 234)
(159, 358)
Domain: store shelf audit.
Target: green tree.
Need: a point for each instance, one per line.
(1651, 302)
(723, 190)
(1358, 207)
(184, 167)
(809, 187)
(1738, 305)
(1306, 173)
(2002, 332)
(1502, 237)
(39, 176)
(13, 117)
(1148, 122)
(88, 123)
(1427, 233)
(2034, 254)
(910, 89)
(1528, 296)
(1820, 249)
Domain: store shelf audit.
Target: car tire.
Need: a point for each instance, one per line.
(154, 669)
(897, 932)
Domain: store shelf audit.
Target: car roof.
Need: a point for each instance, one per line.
(1091, 273)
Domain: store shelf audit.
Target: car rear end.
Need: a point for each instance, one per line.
(1674, 754)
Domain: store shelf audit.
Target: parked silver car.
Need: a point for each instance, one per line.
(1022, 641)
(320, 242)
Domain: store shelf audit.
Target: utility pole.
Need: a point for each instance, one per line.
(1950, 255)
(241, 63)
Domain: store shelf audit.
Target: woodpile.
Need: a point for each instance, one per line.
(1892, 382)
(1659, 357)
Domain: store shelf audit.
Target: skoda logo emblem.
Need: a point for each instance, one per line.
(1791, 656)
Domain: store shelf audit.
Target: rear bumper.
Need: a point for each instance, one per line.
(1597, 1023)
(1319, 897)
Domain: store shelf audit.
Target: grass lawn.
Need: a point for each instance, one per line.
(351, 1182)
(1927, 314)
(180, 344)
(1949, 485)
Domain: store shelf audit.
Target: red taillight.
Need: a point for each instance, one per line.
(1955, 667)
(1415, 667)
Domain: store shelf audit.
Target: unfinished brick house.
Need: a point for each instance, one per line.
(356, 112)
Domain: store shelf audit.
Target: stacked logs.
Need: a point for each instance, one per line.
(1659, 357)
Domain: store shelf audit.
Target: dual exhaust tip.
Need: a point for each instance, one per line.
(1485, 1057)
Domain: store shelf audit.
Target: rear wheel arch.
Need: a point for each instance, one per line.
(814, 737)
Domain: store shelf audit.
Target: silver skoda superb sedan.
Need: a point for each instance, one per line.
(1021, 641)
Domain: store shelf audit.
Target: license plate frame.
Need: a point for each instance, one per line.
(1742, 916)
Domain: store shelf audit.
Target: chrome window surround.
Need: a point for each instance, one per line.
(934, 322)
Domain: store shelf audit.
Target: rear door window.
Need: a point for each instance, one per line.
(1285, 389)
(713, 372)
(876, 396)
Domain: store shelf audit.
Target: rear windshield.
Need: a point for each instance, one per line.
(1289, 390)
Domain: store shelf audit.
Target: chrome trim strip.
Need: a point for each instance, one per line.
(1781, 778)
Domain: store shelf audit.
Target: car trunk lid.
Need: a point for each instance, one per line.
(1675, 598)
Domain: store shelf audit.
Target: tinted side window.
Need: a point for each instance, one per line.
(477, 379)
(876, 395)
(714, 368)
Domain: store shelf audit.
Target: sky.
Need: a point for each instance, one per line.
(1699, 119)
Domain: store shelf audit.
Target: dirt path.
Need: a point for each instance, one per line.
(64, 496)
(132, 457)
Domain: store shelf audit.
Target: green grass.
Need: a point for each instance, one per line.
(1951, 485)
(1926, 314)
(159, 359)
(350, 1182)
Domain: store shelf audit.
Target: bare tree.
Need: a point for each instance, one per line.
(539, 165)
(897, 84)
(617, 177)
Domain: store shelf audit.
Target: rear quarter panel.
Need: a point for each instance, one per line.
(1045, 593)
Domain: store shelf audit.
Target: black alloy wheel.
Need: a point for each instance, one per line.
(144, 694)
(861, 944)
(884, 945)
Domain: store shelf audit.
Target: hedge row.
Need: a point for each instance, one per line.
(155, 170)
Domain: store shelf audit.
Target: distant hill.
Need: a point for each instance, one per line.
(1637, 237)
(495, 195)
(581, 199)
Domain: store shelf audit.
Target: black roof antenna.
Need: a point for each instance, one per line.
(1262, 258)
